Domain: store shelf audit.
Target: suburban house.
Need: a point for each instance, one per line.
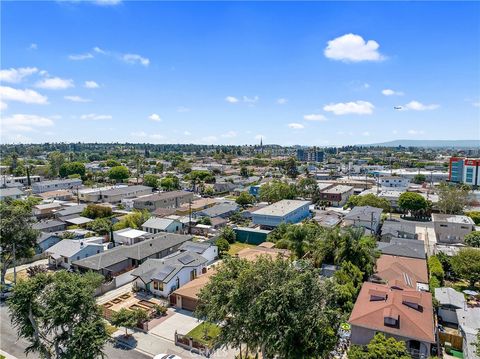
(327, 219)
(186, 297)
(129, 236)
(67, 212)
(394, 182)
(337, 195)
(364, 216)
(468, 324)
(57, 195)
(284, 211)
(400, 247)
(123, 258)
(10, 192)
(205, 249)
(398, 229)
(66, 251)
(156, 225)
(46, 186)
(401, 272)
(46, 210)
(162, 276)
(173, 199)
(451, 228)
(45, 240)
(449, 301)
(196, 205)
(406, 315)
(94, 194)
(222, 210)
(115, 195)
(52, 225)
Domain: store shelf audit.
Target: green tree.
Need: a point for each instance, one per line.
(368, 200)
(475, 216)
(277, 190)
(58, 315)
(94, 211)
(151, 181)
(100, 226)
(132, 220)
(55, 160)
(452, 199)
(244, 172)
(283, 314)
(170, 183)
(466, 264)
(291, 167)
(223, 246)
(72, 168)
(228, 234)
(127, 318)
(413, 202)
(380, 347)
(473, 239)
(118, 173)
(17, 237)
(348, 281)
(112, 163)
(245, 199)
(419, 178)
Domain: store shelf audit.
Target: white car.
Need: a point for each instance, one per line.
(166, 356)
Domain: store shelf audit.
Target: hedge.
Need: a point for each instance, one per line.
(436, 269)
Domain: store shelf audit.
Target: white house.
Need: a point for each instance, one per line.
(68, 250)
(449, 301)
(162, 276)
(394, 182)
(129, 236)
(205, 249)
(450, 228)
(46, 186)
(155, 225)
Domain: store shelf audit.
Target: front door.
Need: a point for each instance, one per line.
(179, 301)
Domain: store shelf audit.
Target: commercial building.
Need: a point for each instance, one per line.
(46, 186)
(464, 170)
(173, 199)
(394, 182)
(284, 211)
(310, 155)
(336, 195)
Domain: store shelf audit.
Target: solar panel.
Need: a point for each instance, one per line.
(164, 272)
(185, 259)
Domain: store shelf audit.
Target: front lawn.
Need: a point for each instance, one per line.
(205, 333)
(22, 274)
(237, 247)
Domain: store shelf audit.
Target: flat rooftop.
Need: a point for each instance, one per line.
(281, 208)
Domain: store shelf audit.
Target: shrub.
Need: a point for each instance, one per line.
(436, 269)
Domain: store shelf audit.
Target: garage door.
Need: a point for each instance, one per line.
(189, 304)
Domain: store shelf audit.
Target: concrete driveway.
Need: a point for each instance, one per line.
(182, 321)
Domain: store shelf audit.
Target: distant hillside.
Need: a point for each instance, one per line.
(430, 143)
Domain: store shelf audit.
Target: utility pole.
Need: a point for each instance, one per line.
(190, 217)
(14, 264)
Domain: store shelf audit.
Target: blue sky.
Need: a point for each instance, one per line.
(307, 73)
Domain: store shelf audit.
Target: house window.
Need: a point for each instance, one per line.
(390, 322)
(157, 285)
(193, 274)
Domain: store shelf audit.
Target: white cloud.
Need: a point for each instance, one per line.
(139, 134)
(25, 123)
(365, 133)
(25, 96)
(347, 108)
(79, 57)
(476, 104)
(99, 50)
(155, 117)
(187, 133)
(55, 83)
(231, 99)
(95, 117)
(366, 85)
(353, 48)
(183, 109)
(390, 92)
(76, 99)
(418, 106)
(107, 2)
(16, 75)
(314, 117)
(91, 85)
(135, 59)
(209, 139)
(415, 132)
(250, 100)
(33, 46)
(3, 105)
(296, 126)
(282, 101)
(229, 134)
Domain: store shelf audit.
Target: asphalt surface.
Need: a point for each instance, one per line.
(10, 343)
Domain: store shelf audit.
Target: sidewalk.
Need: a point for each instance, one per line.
(151, 344)
(6, 355)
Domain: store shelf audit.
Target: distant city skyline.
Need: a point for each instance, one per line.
(291, 73)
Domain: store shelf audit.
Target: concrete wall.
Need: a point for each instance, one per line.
(452, 232)
(273, 221)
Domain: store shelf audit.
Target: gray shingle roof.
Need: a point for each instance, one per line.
(219, 209)
(47, 224)
(401, 247)
(364, 213)
(446, 295)
(393, 227)
(136, 251)
(196, 247)
(166, 268)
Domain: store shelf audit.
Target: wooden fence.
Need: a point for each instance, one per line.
(455, 340)
(193, 346)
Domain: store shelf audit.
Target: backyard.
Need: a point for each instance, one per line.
(205, 333)
(237, 247)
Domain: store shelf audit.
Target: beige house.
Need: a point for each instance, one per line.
(173, 199)
(451, 228)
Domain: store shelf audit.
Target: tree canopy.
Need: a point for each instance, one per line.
(118, 173)
(284, 313)
(72, 168)
(452, 199)
(368, 200)
(245, 199)
(277, 190)
(58, 315)
(466, 264)
(380, 347)
(151, 181)
(473, 239)
(413, 202)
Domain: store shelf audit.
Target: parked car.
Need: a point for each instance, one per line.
(166, 356)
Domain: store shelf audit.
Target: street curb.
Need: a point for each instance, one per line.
(133, 348)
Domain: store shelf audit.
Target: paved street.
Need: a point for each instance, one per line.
(10, 344)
